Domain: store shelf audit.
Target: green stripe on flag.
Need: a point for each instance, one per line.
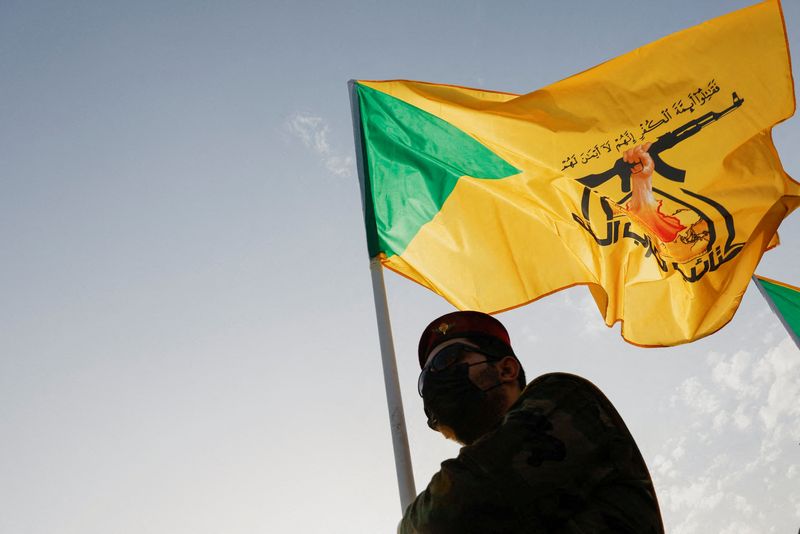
(413, 161)
(786, 300)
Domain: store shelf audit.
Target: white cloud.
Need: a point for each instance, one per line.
(701, 494)
(743, 505)
(530, 335)
(782, 366)
(736, 527)
(679, 451)
(587, 313)
(792, 472)
(313, 132)
(592, 319)
(720, 420)
(731, 464)
(733, 373)
(663, 466)
(686, 527)
(695, 396)
(740, 418)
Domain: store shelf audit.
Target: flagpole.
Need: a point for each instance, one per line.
(777, 312)
(394, 400)
(397, 420)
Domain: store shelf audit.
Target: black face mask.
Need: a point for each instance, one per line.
(452, 399)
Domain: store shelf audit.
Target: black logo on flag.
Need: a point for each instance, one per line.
(685, 231)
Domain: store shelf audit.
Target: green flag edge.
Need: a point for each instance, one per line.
(413, 160)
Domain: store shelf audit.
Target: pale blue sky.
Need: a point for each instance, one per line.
(187, 337)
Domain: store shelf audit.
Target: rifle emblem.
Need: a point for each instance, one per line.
(682, 230)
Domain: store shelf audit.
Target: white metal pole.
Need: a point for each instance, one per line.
(394, 400)
(777, 312)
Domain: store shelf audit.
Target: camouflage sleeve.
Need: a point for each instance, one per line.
(458, 499)
(568, 462)
(562, 461)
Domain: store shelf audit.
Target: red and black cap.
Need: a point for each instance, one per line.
(468, 324)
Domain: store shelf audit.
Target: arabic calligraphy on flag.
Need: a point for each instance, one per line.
(652, 179)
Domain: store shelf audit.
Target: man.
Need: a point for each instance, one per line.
(550, 457)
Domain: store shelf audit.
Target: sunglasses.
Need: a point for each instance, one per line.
(447, 357)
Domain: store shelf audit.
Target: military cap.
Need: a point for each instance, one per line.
(467, 324)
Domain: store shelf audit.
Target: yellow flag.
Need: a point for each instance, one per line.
(651, 178)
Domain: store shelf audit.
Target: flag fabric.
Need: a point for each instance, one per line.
(651, 178)
(784, 300)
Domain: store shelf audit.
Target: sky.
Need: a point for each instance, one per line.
(187, 334)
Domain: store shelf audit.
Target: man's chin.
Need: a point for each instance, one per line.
(448, 432)
(462, 438)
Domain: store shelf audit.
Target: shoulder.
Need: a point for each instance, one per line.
(560, 379)
(567, 395)
(559, 386)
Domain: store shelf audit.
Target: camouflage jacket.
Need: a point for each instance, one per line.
(562, 461)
